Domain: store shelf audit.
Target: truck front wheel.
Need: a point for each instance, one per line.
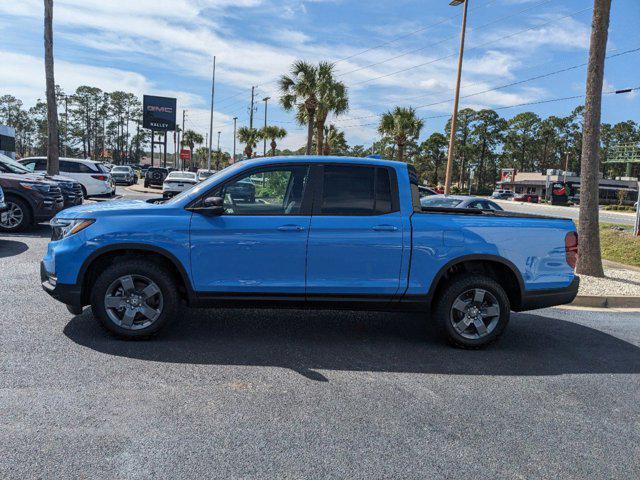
(134, 299)
(473, 310)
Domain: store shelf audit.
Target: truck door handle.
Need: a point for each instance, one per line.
(385, 228)
(291, 228)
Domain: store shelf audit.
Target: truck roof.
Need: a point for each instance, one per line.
(321, 159)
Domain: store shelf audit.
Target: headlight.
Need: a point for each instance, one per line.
(41, 187)
(65, 227)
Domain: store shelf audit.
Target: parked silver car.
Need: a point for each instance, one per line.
(459, 201)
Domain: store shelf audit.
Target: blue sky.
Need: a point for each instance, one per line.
(388, 53)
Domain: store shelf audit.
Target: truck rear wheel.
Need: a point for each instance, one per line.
(473, 311)
(134, 299)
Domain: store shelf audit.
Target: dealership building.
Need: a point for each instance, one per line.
(8, 141)
(538, 183)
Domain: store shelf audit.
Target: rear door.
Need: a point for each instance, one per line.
(355, 238)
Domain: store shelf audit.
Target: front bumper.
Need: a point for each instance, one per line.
(48, 209)
(534, 299)
(70, 295)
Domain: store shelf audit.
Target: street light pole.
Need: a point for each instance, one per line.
(264, 147)
(213, 91)
(454, 117)
(235, 120)
(218, 154)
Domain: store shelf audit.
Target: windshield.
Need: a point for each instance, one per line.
(440, 202)
(12, 166)
(206, 184)
(205, 174)
(120, 169)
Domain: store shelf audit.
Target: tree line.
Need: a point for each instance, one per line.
(92, 124)
(97, 124)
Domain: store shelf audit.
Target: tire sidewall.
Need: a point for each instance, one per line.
(458, 285)
(149, 269)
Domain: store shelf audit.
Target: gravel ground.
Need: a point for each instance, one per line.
(618, 283)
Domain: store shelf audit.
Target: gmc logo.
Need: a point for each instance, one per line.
(155, 108)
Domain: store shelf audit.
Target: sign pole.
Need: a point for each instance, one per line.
(153, 140)
(165, 150)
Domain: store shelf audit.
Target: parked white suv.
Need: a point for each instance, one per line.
(94, 177)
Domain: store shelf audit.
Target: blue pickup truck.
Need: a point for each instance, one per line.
(319, 233)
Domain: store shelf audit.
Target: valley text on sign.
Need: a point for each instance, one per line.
(159, 113)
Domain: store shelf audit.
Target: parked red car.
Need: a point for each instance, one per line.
(527, 197)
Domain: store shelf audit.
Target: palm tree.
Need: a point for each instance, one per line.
(590, 259)
(332, 98)
(273, 133)
(335, 143)
(250, 137)
(401, 125)
(53, 155)
(301, 90)
(191, 139)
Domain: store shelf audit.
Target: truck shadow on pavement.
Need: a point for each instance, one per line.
(373, 342)
(11, 248)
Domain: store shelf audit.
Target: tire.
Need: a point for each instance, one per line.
(84, 192)
(21, 216)
(146, 184)
(462, 308)
(110, 284)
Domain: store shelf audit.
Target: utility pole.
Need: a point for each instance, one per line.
(251, 110)
(213, 91)
(264, 147)
(590, 258)
(66, 125)
(235, 120)
(454, 117)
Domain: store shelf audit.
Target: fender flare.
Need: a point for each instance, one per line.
(138, 246)
(477, 257)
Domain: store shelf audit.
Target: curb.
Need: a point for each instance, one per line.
(605, 302)
(140, 189)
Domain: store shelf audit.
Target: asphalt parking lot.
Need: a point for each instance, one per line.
(287, 394)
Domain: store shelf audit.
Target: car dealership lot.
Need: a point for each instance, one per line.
(240, 394)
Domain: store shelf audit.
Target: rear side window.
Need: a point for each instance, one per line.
(75, 167)
(355, 190)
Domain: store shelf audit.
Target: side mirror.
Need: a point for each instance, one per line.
(212, 206)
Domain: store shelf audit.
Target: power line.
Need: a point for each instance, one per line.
(405, 35)
(408, 52)
(472, 48)
(524, 104)
(500, 87)
(393, 40)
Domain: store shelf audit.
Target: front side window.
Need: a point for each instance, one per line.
(272, 191)
(355, 190)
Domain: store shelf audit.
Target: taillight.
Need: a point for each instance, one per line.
(571, 248)
(102, 178)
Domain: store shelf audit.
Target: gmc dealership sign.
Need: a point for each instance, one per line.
(159, 113)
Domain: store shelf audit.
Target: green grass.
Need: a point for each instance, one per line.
(620, 245)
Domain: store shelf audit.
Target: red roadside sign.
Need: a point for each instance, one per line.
(185, 154)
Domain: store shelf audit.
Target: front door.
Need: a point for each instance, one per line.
(258, 245)
(355, 241)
